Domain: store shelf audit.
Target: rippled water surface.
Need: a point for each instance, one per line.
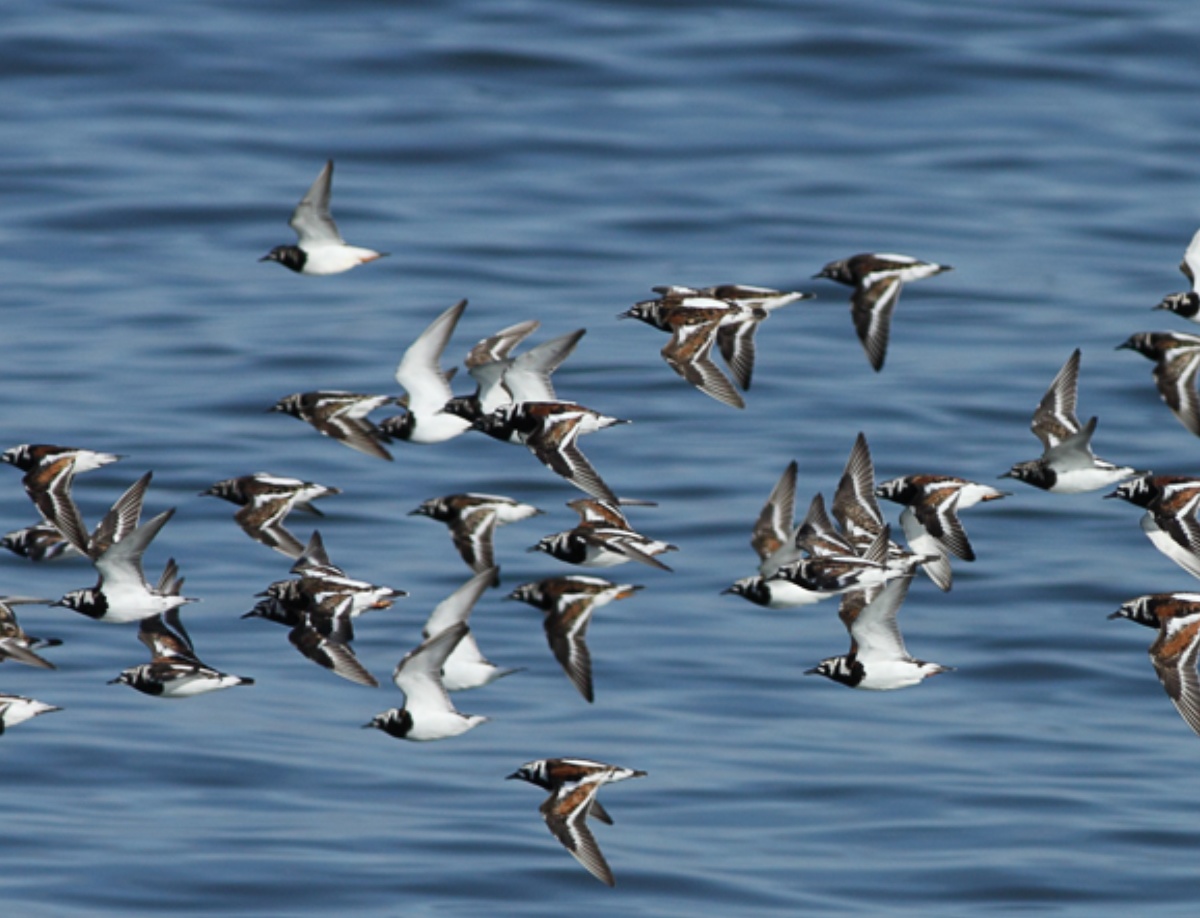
(555, 161)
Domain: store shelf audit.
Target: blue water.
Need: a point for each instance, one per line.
(555, 161)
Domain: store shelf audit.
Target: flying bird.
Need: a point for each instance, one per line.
(573, 784)
(1176, 359)
(319, 247)
(1067, 464)
(877, 280)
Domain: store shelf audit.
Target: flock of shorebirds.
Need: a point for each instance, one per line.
(851, 556)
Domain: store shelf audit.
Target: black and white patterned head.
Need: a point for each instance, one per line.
(1138, 491)
(291, 404)
(1140, 610)
(1034, 472)
(89, 602)
(846, 670)
(645, 311)
(466, 407)
(290, 256)
(839, 271)
(436, 508)
(1182, 304)
(20, 456)
(533, 594)
(535, 773)
(399, 426)
(495, 424)
(396, 722)
(230, 489)
(562, 545)
(753, 589)
(900, 490)
(138, 678)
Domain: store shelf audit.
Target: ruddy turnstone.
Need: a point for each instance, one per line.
(50, 471)
(735, 340)
(1067, 464)
(327, 584)
(1170, 523)
(466, 667)
(341, 416)
(774, 540)
(833, 574)
(121, 594)
(1176, 359)
(693, 323)
(265, 500)
(603, 538)
(878, 660)
(319, 638)
(174, 670)
(320, 632)
(27, 456)
(1174, 651)
(319, 247)
(568, 604)
(573, 784)
(876, 279)
(428, 713)
(472, 520)
(1187, 305)
(549, 430)
(930, 517)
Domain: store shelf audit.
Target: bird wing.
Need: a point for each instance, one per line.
(566, 633)
(687, 353)
(419, 673)
(311, 219)
(1174, 655)
(457, 607)
(875, 631)
(774, 527)
(420, 371)
(871, 307)
(1055, 420)
(565, 812)
(854, 503)
(1176, 381)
